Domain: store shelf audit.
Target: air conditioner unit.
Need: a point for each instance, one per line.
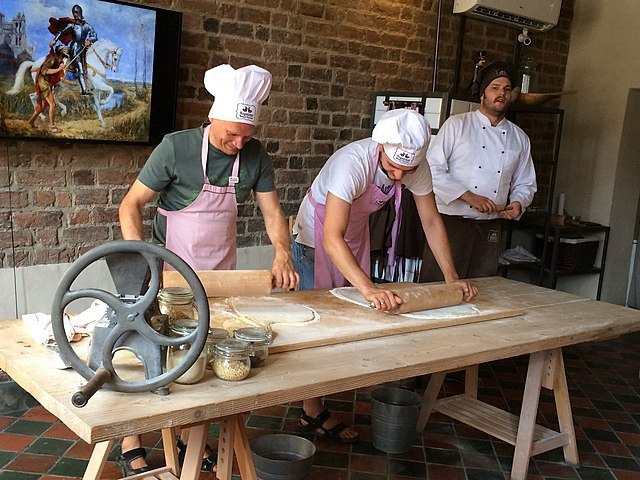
(537, 15)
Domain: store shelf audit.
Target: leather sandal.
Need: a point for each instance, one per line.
(315, 426)
(127, 457)
(208, 463)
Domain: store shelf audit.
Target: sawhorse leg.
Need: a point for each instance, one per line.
(546, 369)
(101, 452)
(232, 440)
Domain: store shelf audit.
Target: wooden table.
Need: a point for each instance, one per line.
(551, 321)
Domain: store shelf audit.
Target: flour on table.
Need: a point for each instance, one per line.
(271, 311)
(352, 295)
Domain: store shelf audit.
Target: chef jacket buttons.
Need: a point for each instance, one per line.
(498, 171)
(502, 151)
(483, 146)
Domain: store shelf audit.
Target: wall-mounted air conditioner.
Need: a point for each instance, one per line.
(538, 15)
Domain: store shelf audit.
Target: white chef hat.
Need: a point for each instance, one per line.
(404, 135)
(238, 93)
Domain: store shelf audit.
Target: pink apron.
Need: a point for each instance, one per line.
(326, 275)
(204, 233)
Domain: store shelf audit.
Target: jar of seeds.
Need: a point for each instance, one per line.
(231, 360)
(215, 335)
(259, 338)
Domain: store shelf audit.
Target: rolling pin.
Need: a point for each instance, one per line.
(419, 296)
(225, 283)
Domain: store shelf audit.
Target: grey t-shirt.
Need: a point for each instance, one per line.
(174, 169)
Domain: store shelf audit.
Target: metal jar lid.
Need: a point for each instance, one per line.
(176, 295)
(232, 346)
(253, 335)
(183, 326)
(218, 333)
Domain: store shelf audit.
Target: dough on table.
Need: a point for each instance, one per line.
(266, 311)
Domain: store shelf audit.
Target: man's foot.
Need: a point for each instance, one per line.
(54, 129)
(323, 425)
(33, 124)
(134, 462)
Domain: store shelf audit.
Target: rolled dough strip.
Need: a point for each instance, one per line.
(269, 311)
(417, 297)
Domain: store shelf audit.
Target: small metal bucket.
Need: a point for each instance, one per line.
(394, 415)
(282, 457)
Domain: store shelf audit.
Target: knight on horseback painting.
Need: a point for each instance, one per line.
(66, 76)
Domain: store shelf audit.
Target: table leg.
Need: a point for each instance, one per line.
(545, 369)
(98, 460)
(170, 450)
(528, 413)
(233, 439)
(429, 399)
(563, 407)
(198, 435)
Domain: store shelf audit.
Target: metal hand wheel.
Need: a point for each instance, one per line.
(130, 319)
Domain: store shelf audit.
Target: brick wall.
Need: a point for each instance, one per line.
(327, 59)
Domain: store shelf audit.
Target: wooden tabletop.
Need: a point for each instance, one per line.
(551, 319)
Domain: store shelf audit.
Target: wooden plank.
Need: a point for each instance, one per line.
(170, 449)
(161, 473)
(488, 419)
(343, 322)
(226, 444)
(98, 460)
(225, 283)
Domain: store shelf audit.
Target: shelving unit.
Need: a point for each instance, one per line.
(550, 269)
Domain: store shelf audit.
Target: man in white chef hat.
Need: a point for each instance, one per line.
(199, 177)
(330, 241)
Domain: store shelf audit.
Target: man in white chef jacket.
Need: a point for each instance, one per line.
(482, 173)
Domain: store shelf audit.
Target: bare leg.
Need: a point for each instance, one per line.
(52, 110)
(128, 444)
(37, 111)
(52, 114)
(313, 407)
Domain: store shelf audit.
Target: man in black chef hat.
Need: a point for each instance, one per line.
(482, 173)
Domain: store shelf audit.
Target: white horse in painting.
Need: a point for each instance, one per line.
(102, 56)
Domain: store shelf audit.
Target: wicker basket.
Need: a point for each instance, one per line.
(574, 254)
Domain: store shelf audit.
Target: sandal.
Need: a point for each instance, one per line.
(54, 129)
(208, 463)
(127, 457)
(315, 427)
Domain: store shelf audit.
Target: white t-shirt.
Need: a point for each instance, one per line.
(347, 175)
(470, 154)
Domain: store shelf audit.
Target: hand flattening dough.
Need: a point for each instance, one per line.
(267, 311)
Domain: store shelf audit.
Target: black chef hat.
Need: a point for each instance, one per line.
(489, 73)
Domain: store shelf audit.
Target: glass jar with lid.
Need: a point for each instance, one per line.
(260, 339)
(215, 335)
(231, 361)
(177, 303)
(176, 353)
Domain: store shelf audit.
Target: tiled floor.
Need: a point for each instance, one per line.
(605, 396)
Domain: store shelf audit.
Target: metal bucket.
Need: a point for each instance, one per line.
(282, 457)
(394, 415)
